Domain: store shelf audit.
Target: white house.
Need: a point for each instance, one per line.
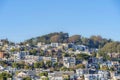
(91, 77)
(81, 72)
(55, 76)
(1, 68)
(55, 44)
(54, 60)
(31, 59)
(69, 62)
(103, 74)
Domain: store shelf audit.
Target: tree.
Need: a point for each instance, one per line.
(18, 65)
(65, 55)
(112, 69)
(33, 52)
(82, 66)
(26, 66)
(41, 64)
(12, 50)
(55, 38)
(104, 55)
(64, 68)
(66, 77)
(55, 65)
(96, 40)
(36, 65)
(82, 56)
(92, 42)
(74, 38)
(15, 65)
(41, 53)
(112, 47)
(48, 64)
(27, 78)
(43, 74)
(3, 63)
(5, 75)
(118, 50)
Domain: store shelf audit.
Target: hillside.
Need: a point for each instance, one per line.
(92, 42)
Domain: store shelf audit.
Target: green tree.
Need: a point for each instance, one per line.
(66, 77)
(82, 66)
(26, 66)
(48, 64)
(36, 65)
(43, 74)
(104, 55)
(5, 75)
(82, 56)
(41, 53)
(55, 38)
(12, 50)
(111, 47)
(27, 78)
(64, 68)
(112, 69)
(55, 65)
(74, 38)
(41, 64)
(65, 55)
(33, 52)
(15, 65)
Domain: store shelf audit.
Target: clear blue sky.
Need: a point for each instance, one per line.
(23, 19)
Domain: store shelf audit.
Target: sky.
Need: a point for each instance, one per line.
(23, 19)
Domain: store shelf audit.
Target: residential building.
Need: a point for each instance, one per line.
(69, 62)
(1, 54)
